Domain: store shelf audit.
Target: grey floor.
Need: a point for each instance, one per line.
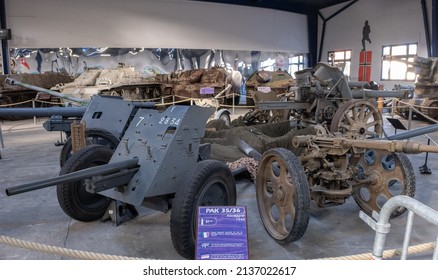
(30, 154)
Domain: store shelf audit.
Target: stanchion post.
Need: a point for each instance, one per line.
(34, 117)
(2, 144)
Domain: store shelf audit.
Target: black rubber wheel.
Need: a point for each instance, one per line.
(94, 136)
(73, 197)
(283, 196)
(225, 117)
(383, 175)
(211, 183)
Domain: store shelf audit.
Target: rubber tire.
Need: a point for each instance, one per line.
(184, 212)
(225, 117)
(110, 141)
(302, 198)
(73, 198)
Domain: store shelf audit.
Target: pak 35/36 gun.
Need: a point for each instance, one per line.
(159, 163)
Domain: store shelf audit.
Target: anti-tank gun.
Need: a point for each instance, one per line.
(159, 164)
(329, 168)
(323, 95)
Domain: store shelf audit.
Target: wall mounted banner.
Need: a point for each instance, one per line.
(222, 233)
(365, 59)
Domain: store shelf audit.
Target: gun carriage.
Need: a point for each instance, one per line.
(323, 95)
(159, 163)
(328, 168)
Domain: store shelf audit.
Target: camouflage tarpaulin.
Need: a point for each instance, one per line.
(225, 141)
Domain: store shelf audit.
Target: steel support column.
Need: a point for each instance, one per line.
(5, 47)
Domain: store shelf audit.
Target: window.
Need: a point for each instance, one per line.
(340, 59)
(395, 60)
(296, 63)
(268, 64)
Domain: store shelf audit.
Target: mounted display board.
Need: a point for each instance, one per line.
(222, 233)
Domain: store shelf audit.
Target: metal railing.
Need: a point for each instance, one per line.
(380, 223)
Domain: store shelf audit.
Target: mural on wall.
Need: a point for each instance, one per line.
(74, 61)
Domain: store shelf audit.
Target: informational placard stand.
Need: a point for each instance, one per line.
(222, 233)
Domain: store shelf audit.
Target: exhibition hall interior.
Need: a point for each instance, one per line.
(218, 130)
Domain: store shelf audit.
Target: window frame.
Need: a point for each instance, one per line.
(406, 56)
(301, 64)
(344, 60)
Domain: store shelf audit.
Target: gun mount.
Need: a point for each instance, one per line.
(329, 168)
(159, 164)
(322, 95)
(425, 89)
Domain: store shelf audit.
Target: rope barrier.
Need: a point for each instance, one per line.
(388, 254)
(60, 251)
(84, 255)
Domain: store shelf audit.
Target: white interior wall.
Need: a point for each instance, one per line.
(392, 22)
(153, 24)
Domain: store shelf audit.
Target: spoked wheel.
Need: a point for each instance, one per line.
(210, 184)
(283, 196)
(382, 175)
(94, 136)
(73, 197)
(358, 119)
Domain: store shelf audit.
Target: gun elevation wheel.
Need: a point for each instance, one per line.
(94, 136)
(283, 196)
(382, 175)
(358, 119)
(210, 184)
(73, 197)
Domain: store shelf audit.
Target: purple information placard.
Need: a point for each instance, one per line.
(222, 233)
(206, 90)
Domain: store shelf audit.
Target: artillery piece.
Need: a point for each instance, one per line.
(425, 88)
(323, 95)
(159, 164)
(329, 168)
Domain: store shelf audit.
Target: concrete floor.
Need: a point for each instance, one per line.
(29, 154)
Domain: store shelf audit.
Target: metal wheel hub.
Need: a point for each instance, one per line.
(377, 181)
(281, 195)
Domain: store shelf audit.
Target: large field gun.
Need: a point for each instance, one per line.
(159, 164)
(323, 95)
(329, 168)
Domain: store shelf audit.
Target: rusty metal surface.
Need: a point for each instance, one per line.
(122, 81)
(267, 81)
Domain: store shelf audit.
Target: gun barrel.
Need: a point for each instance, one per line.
(248, 150)
(51, 92)
(337, 145)
(414, 133)
(363, 93)
(43, 112)
(87, 173)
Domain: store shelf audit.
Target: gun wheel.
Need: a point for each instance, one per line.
(73, 197)
(94, 136)
(358, 119)
(382, 175)
(283, 197)
(210, 184)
